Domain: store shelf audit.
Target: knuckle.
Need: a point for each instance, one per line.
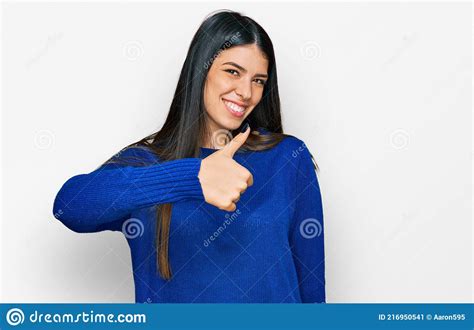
(243, 175)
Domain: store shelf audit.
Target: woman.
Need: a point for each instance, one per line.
(219, 205)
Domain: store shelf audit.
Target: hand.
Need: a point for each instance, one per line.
(222, 179)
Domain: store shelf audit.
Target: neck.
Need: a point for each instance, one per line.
(215, 137)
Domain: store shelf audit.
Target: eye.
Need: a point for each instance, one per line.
(260, 81)
(232, 72)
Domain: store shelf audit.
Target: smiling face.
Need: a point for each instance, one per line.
(234, 86)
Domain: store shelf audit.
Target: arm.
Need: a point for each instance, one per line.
(105, 198)
(307, 233)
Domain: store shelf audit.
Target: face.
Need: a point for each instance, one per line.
(234, 86)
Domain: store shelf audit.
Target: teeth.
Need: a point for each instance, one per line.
(234, 106)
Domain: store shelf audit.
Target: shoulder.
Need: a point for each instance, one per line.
(135, 155)
(289, 140)
(298, 151)
(139, 151)
(290, 144)
(291, 148)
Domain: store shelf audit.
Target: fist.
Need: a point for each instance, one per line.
(222, 179)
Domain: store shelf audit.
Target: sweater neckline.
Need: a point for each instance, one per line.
(209, 149)
(260, 130)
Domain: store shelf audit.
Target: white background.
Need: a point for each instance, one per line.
(380, 93)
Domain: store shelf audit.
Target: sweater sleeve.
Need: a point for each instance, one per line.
(105, 198)
(307, 233)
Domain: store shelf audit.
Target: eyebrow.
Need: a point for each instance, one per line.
(260, 75)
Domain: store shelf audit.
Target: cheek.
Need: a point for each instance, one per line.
(257, 96)
(213, 90)
(221, 85)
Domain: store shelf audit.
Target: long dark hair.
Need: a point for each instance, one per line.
(185, 125)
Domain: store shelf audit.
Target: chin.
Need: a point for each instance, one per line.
(231, 125)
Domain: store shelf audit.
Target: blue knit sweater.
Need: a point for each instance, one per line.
(269, 250)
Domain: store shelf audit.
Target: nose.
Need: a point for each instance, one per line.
(244, 89)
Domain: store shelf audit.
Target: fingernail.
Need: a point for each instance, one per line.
(244, 128)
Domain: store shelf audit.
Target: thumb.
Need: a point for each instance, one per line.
(231, 148)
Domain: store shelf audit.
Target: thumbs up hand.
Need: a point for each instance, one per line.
(222, 179)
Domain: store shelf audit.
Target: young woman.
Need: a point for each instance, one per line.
(219, 205)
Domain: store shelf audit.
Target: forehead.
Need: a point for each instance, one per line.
(248, 56)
